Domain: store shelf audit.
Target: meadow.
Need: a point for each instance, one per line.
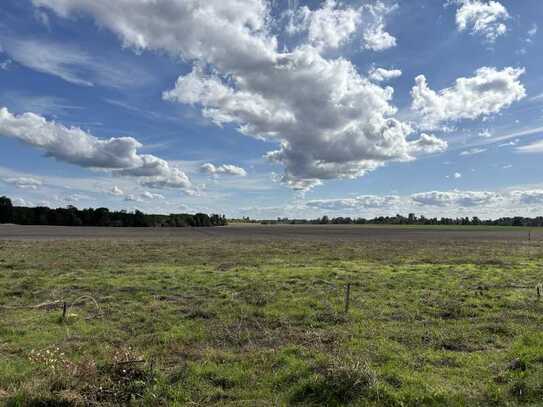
(263, 322)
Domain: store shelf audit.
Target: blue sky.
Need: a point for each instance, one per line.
(265, 109)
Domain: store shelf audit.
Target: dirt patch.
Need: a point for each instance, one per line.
(262, 232)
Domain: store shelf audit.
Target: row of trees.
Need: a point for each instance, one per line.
(412, 219)
(71, 216)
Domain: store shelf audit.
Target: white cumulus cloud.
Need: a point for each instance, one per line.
(225, 169)
(357, 203)
(456, 198)
(334, 25)
(488, 92)
(331, 122)
(327, 120)
(383, 75)
(327, 27)
(483, 18)
(75, 146)
(226, 33)
(428, 144)
(375, 37)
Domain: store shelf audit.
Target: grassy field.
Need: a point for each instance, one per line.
(255, 323)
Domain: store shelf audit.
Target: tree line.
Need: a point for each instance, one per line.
(412, 219)
(71, 216)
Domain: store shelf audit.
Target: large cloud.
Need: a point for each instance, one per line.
(484, 18)
(486, 93)
(75, 146)
(225, 33)
(329, 121)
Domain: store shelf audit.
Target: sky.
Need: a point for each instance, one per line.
(274, 108)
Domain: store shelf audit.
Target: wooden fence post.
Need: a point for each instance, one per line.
(347, 297)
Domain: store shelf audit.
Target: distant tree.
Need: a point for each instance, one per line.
(139, 219)
(6, 210)
(201, 219)
(217, 220)
(41, 216)
(518, 221)
(101, 217)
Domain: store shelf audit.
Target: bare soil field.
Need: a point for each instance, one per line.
(274, 232)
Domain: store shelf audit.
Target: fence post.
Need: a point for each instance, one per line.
(64, 310)
(347, 297)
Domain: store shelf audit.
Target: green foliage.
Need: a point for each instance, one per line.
(71, 216)
(6, 210)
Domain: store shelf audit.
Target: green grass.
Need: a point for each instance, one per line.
(245, 323)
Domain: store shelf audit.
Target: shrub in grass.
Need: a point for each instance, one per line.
(336, 384)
